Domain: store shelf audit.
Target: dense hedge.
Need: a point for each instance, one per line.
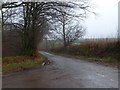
(92, 49)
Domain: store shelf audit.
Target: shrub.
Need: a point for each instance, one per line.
(101, 49)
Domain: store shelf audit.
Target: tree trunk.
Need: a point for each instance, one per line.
(64, 37)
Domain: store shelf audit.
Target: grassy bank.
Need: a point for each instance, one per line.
(20, 63)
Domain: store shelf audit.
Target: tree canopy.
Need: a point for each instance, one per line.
(32, 20)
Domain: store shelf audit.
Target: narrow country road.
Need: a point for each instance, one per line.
(64, 72)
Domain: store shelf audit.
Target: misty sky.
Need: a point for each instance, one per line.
(105, 24)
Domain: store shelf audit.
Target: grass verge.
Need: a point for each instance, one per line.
(20, 63)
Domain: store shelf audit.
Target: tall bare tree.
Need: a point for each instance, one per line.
(68, 28)
(34, 19)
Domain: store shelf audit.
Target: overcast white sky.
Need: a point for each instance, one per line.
(106, 23)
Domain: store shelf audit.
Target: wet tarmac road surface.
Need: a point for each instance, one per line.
(64, 72)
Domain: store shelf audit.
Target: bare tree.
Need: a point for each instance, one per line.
(68, 28)
(34, 19)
